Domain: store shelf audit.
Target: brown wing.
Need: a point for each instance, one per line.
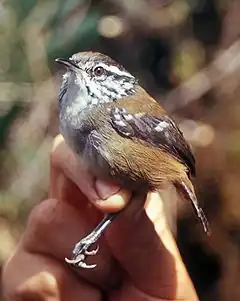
(159, 132)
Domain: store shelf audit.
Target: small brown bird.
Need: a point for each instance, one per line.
(122, 134)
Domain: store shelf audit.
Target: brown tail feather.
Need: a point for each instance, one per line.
(189, 194)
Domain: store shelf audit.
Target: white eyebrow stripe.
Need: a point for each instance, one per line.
(115, 69)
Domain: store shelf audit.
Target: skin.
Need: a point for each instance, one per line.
(138, 258)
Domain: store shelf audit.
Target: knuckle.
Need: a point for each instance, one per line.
(40, 221)
(40, 287)
(41, 214)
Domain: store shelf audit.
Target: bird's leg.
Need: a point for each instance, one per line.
(82, 248)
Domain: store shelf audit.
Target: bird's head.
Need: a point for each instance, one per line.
(93, 78)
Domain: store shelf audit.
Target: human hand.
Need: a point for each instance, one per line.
(138, 257)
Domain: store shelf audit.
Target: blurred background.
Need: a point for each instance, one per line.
(186, 53)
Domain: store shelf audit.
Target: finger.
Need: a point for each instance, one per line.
(64, 161)
(105, 195)
(113, 203)
(144, 245)
(53, 229)
(36, 277)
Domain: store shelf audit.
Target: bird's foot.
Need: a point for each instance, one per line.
(82, 248)
(82, 251)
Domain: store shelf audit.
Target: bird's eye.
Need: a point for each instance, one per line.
(98, 71)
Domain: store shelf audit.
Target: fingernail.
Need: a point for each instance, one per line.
(115, 202)
(105, 189)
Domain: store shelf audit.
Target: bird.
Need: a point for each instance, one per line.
(121, 133)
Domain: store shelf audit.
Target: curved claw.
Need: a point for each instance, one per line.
(73, 261)
(93, 252)
(78, 262)
(86, 266)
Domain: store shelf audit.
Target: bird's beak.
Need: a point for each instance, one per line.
(67, 63)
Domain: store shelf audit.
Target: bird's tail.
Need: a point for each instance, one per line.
(188, 193)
